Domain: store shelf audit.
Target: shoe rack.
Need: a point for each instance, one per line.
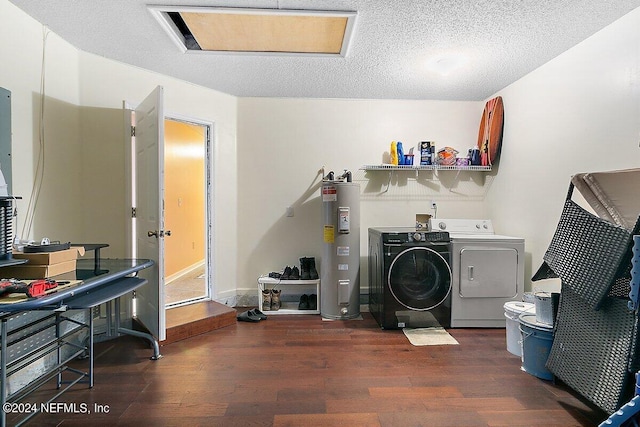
(288, 287)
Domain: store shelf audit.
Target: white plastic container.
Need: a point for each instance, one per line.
(512, 312)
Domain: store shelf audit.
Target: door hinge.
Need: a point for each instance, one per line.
(133, 131)
(133, 212)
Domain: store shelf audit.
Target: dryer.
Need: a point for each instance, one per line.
(409, 278)
(487, 271)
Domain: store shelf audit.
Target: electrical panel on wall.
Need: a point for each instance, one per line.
(5, 135)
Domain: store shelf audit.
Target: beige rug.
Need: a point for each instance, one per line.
(331, 320)
(429, 336)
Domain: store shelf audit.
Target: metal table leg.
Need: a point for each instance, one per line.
(3, 374)
(90, 311)
(148, 337)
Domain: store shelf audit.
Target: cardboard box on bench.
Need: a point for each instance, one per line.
(48, 258)
(41, 265)
(26, 271)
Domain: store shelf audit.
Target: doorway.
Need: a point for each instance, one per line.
(148, 228)
(185, 206)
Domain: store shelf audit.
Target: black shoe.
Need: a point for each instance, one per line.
(304, 269)
(313, 273)
(304, 302)
(248, 317)
(274, 275)
(313, 302)
(286, 273)
(257, 313)
(295, 274)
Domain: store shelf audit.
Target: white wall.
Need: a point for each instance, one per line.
(284, 143)
(21, 47)
(578, 113)
(83, 195)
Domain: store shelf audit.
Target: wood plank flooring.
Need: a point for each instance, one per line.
(300, 370)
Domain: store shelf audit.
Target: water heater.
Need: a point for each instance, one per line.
(340, 272)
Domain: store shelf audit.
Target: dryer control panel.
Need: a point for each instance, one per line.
(462, 226)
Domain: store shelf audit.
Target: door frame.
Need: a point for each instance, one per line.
(209, 266)
(210, 144)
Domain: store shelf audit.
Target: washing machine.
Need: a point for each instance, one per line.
(409, 278)
(487, 272)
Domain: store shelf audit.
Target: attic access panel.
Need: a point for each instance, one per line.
(257, 31)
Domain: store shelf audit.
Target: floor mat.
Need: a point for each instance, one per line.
(331, 320)
(429, 336)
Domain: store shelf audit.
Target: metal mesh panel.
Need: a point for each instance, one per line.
(6, 233)
(591, 349)
(588, 253)
(595, 346)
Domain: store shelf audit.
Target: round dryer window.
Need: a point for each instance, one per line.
(419, 278)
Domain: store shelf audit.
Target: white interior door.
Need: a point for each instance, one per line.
(150, 231)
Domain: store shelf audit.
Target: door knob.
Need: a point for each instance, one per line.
(152, 234)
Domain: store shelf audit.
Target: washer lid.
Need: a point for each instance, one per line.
(475, 238)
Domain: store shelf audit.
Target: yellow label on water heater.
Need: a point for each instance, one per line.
(329, 234)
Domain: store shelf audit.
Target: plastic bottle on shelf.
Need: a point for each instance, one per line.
(394, 153)
(400, 152)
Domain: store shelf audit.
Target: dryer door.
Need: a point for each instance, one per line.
(419, 278)
(488, 272)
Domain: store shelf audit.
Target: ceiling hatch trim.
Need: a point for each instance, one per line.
(241, 31)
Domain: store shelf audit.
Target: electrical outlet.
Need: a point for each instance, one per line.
(434, 205)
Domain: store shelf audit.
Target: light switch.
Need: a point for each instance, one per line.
(289, 211)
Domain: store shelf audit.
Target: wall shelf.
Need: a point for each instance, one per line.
(416, 169)
(392, 168)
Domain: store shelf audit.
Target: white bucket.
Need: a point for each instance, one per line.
(512, 312)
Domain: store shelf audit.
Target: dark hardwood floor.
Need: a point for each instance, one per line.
(300, 370)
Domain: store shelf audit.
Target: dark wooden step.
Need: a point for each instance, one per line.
(195, 319)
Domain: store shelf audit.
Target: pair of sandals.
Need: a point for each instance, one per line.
(254, 315)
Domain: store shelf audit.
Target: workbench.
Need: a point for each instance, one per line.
(44, 327)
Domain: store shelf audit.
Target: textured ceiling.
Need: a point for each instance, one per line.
(502, 40)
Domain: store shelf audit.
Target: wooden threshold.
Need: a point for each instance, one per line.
(195, 319)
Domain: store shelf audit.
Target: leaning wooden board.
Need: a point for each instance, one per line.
(490, 133)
